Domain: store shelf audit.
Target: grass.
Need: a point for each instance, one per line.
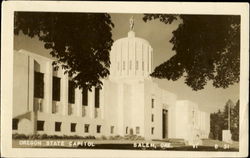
(207, 145)
(211, 142)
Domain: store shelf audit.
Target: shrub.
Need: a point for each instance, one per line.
(19, 136)
(39, 136)
(211, 135)
(56, 137)
(103, 137)
(130, 137)
(76, 137)
(118, 137)
(133, 137)
(33, 136)
(45, 136)
(65, 136)
(126, 137)
(139, 138)
(89, 137)
(235, 134)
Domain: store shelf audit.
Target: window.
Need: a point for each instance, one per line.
(131, 131)
(85, 96)
(56, 88)
(112, 129)
(152, 103)
(137, 130)
(58, 126)
(123, 65)
(142, 65)
(126, 130)
(73, 127)
(152, 117)
(40, 125)
(97, 97)
(98, 128)
(15, 124)
(136, 66)
(71, 92)
(86, 128)
(152, 130)
(38, 85)
(130, 64)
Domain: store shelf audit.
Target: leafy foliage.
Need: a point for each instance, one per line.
(235, 121)
(207, 48)
(225, 114)
(219, 121)
(79, 41)
(216, 125)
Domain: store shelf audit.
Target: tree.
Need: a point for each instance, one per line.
(207, 48)
(229, 104)
(216, 125)
(219, 125)
(235, 121)
(234, 118)
(219, 121)
(79, 41)
(213, 118)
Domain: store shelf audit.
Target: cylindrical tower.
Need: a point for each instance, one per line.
(131, 58)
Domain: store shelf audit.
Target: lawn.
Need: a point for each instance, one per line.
(207, 144)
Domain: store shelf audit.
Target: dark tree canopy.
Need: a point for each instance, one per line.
(79, 41)
(207, 48)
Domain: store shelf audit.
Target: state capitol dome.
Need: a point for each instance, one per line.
(131, 57)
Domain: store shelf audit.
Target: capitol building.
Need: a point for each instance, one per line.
(130, 102)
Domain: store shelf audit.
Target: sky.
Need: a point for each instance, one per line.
(158, 34)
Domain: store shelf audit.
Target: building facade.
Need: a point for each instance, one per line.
(45, 102)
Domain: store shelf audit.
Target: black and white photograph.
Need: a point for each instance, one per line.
(161, 81)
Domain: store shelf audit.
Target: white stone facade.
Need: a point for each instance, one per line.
(129, 102)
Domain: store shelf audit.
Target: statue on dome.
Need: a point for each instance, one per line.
(131, 23)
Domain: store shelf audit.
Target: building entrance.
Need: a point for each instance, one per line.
(164, 123)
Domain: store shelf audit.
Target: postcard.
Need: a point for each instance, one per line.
(124, 79)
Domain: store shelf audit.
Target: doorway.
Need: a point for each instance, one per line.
(164, 123)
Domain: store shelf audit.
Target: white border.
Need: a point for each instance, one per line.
(8, 8)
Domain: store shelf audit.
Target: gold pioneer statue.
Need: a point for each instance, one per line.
(131, 23)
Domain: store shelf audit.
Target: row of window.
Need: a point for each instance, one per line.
(152, 115)
(130, 131)
(39, 90)
(40, 126)
(137, 130)
(130, 65)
